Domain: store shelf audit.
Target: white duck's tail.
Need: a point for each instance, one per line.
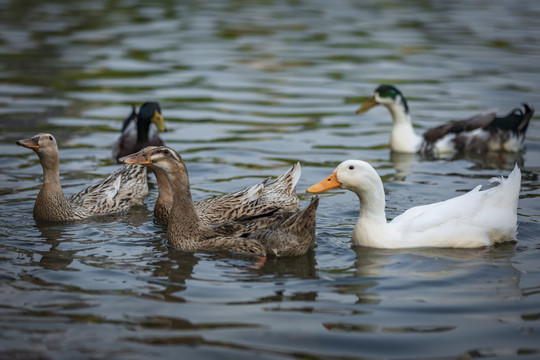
(511, 185)
(503, 201)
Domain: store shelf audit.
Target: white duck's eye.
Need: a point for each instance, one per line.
(50, 138)
(351, 167)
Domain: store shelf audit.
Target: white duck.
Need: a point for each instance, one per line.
(475, 219)
(477, 134)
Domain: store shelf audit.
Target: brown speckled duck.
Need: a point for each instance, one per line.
(140, 130)
(278, 194)
(264, 231)
(124, 188)
(478, 134)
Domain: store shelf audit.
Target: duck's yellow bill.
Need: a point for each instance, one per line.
(140, 158)
(158, 120)
(28, 143)
(371, 102)
(330, 182)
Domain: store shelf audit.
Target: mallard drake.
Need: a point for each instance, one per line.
(262, 231)
(278, 194)
(140, 130)
(126, 187)
(475, 219)
(478, 134)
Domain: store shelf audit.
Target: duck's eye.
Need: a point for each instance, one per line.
(50, 138)
(166, 152)
(351, 167)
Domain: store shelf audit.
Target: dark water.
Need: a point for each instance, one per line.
(248, 88)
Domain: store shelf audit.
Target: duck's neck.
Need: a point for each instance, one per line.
(403, 138)
(51, 204)
(143, 126)
(371, 223)
(185, 226)
(162, 207)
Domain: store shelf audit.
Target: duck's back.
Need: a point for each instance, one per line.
(124, 188)
(475, 219)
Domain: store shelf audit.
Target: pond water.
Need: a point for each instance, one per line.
(247, 89)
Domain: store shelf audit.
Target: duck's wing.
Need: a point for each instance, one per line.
(262, 200)
(233, 244)
(282, 190)
(476, 218)
(453, 128)
(124, 188)
(483, 132)
(292, 236)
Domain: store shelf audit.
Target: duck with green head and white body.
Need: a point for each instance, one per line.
(477, 134)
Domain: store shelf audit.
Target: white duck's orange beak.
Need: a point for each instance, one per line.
(330, 182)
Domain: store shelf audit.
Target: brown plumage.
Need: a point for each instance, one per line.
(265, 197)
(124, 188)
(263, 231)
(140, 130)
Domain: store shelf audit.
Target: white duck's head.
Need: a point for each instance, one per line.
(390, 97)
(361, 178)
(355, 175)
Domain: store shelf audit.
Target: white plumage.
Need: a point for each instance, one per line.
(475, 219)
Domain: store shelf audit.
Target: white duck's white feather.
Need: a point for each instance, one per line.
(475, 219)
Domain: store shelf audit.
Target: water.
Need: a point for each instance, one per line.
(248, 88)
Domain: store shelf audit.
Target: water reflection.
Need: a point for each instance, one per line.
(403, 164)
(54, 259)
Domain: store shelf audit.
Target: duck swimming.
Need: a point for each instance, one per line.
(140, 130)
(474, 219)
(478, 134)
(278, 194)
(124, 188)
(263, 231)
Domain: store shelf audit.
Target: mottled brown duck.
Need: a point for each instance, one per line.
(265, 231)
(123, 189)
(140, 129)
(272, 194)
(478, 134)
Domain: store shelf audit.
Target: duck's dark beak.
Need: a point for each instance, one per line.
(28, 143)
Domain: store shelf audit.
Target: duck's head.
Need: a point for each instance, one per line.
(355, 175)
(159, 157)
(43, 144)
(387, 95)
(150, 112)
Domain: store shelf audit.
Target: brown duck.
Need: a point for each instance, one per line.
(278, 194)
(264, 231)
(124, 188)
(140, 130)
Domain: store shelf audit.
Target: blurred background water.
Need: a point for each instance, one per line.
(248, 88)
